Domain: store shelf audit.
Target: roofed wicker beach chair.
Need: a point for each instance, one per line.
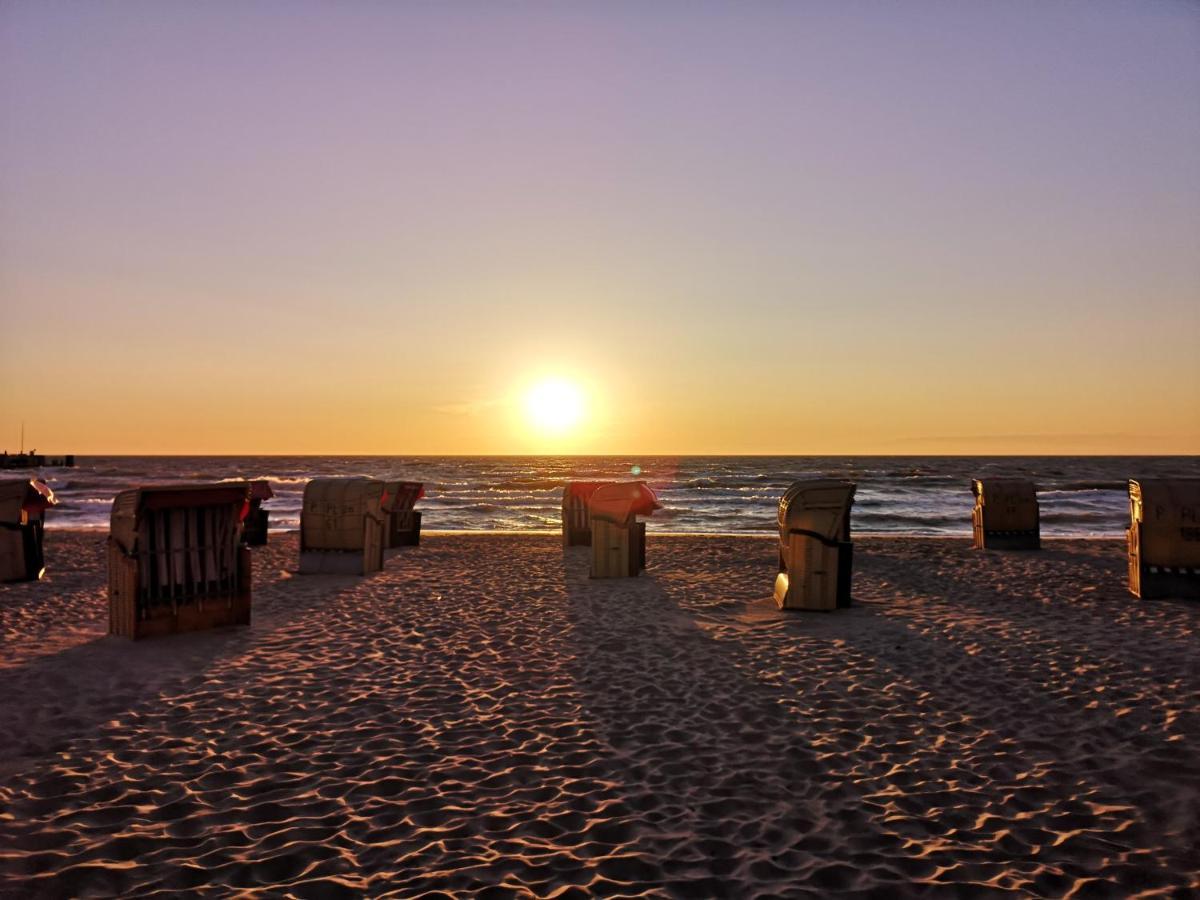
(618, 538)
(1164, 537)
(23, 504)
(816, 556)
(343, 526)
(576, 521)
(1005, 516)
(404, 522)
(254, 529)
(175, 560)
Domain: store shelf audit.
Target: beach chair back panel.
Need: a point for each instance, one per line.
(1007, 504)
(815, 553)
(814, 567)
(336, 512)
(1006, 514)
(1167, 515)
(615, 550)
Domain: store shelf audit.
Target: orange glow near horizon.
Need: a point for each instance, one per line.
(786, 229)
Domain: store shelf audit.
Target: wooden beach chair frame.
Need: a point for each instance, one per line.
(403, 522)
(175, 559)
(816, 555)
(1164, 538)
(618, 538)
(1006, 515)
(23, 505)
(343, 526)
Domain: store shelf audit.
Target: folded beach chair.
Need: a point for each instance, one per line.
(254, 529)
(175, 560)
(815, 553)
(343, 526)
(618, 538)
(404, 522)
(1164, 537)
(576, 522)
(1005, 516)
(23, 504)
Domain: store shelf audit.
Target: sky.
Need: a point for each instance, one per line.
(796, 228)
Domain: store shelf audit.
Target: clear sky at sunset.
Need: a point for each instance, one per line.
(731, 228)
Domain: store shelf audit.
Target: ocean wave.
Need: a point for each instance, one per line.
(1085, 486)
(702, 494)
(553, 484)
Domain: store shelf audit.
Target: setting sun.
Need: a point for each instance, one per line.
(554, 405)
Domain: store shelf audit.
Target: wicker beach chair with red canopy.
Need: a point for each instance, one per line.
(23, 505)
(254, 530)
(404, 522)
(175, 559)
(576, 521)
(618, 538)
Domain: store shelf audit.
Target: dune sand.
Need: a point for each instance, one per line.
(481, 717)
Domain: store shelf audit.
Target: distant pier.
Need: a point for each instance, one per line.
(35, 461)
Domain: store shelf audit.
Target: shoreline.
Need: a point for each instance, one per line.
(547, 532)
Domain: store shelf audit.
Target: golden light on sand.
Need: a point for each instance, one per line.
(554, 405)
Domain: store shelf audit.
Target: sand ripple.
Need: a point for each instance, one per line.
(481, 719)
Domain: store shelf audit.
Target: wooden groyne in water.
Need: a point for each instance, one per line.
(35, 461)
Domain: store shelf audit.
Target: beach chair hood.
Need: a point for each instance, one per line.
(582, 490)
(620, 501)
(819, 507)
(261, 490)
(401, 496)
(129, 507)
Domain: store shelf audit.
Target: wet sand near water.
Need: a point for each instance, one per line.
(481, 718)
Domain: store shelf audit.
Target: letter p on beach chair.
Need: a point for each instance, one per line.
(1164, 537)
(1005, 516)
(175, 562)
(618, 538)
(23, 504)
(815, 553)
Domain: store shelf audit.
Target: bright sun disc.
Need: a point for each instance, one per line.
(554, 405)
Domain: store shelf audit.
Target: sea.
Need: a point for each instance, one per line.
(912, 495)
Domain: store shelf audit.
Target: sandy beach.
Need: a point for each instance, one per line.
(481, 718)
